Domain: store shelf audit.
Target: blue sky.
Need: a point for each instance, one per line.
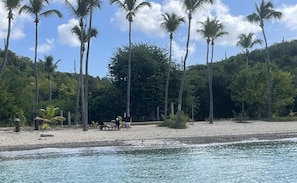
(55, 37)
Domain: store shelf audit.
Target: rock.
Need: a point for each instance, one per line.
(46, 135)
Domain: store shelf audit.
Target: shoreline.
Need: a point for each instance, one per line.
(147, 135)
(166, 142)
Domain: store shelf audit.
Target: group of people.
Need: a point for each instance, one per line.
(116, 123)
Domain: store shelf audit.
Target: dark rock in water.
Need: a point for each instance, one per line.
(46, 135)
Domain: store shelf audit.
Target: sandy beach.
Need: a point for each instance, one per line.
(146, 135)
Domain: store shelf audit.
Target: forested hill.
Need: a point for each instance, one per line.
(106, 95)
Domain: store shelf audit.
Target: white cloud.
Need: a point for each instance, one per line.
(45, 47)
(289, 14)
(178, 51)
(234, 25)
(147, 20)
(65, 35)
(17, 24)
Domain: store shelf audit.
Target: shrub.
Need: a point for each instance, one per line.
(171, 121)
(45, 126)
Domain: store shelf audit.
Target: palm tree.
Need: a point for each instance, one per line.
(49, 115)
(93, 4)
(191, 6)
(212, 29)
(50, 68)
(10, 6)
(247, 41)
(265, 12)
(81, 11)
(170, 24)
(131, 7)
(86, 35)
(36, 8)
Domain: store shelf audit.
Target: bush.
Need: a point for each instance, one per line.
(171, 121)
(45, 126)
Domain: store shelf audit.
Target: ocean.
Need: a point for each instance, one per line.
(250, 161)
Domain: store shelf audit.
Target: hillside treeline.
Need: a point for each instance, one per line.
(234, 85)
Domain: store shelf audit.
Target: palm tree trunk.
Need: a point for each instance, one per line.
(50, 88)
(182, 82)
(268, 77)
(207, 64)
(167, 80)
(83, 107)
(36, 78)
(77, 100)
(247, 58)
(247, 67)
(6, 47)
(210, 117)
(129, 72)
(87, 67)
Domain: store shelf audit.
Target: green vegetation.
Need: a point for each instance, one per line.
(242, 84)
(171, 121)
(232, 84)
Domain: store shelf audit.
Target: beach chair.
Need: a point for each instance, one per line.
(102, 125)
(115, 124)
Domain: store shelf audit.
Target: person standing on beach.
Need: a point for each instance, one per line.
(128, 121)
(17, 123)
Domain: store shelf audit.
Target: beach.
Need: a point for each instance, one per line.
(145, 135)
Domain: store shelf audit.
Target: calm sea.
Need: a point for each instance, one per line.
(270, 161)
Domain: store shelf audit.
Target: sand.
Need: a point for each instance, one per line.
(146, 135)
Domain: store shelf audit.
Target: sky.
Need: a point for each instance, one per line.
(55, 37)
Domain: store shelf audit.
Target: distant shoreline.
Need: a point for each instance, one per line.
(147, 135)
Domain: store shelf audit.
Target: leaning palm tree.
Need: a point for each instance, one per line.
(80, 11)
(86, 35)
(191, 6)
(265, 12)
(170, 24)
(10, 6)
(36, 8)
(50, 67)
(131, 7)
(92, 4)
(212, 29)
(247, 41)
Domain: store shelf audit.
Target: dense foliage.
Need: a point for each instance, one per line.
(232, 84)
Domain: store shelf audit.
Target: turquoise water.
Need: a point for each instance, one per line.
(273, 161)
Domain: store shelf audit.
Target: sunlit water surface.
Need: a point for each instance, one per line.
(270, 161)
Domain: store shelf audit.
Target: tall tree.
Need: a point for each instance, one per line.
(36, 8)
(86, 36)
(212, 29)
(170, 24)
(265, 11)
(93, 4)
(191, 6)
(10, 5)
(247, 41)
(81, 11)
(131, 7)
(50, 67)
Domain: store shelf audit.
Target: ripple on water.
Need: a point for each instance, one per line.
(252, 161)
